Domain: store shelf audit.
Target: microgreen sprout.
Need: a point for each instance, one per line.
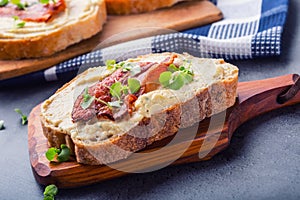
(112, 65)
(3, 3)
(133, 85)
(176, 77)
(61, 155)
(18, 23)
(50, 192)
(19, 4)
(133, 68)
(23, 117)
(117, 90)
(87, 99)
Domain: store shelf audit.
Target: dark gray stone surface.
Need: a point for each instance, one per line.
(262, 161)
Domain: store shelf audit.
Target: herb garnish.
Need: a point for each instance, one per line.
(23, 117)
(47, 1)
(117, 90)
(87, 99)
(20, 23)
(3, 3)
(50, 192)
(1, 124)
(18, 3)
(61, 155)
(133, 68)
(133, 85)
(112, 65)
(176, 77)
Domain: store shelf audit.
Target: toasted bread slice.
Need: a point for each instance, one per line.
(80, 20)
(123, 7)
(158, 113)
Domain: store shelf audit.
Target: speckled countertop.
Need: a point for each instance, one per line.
(262, 161)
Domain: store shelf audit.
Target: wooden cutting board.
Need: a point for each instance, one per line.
(182, 16)
(254, 98)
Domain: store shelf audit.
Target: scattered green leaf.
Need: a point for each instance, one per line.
(15, 18)
(3, 3)
(65, 153)
(19, 4)
(176, 82)
(21, 24)
(133, 68)
(176, 77)
(87, 99)
(23, 117)
(50, 192)
(1, 124)
(61, 155)
(18, 23)
(44, 1)
(110, 64)
(52, 153)
(116, 104)
(172, 68)
(165, 78)
(116, 90)
(133, 85)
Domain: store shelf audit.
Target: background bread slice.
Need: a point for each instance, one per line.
(122, 7)
(205, 96)
(44, 39)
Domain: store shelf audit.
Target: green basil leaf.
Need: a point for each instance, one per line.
(3, 3)
(110, 64)
(64, 154)
(188, 78)
(51, 153)
(23, 117)
(177, 82)
(44, 1)
(15, 18)
(164, 78)
(116, 90)
(87, 99)
(172, 68)
(21, 24)
(50, 191)
(133, 85)
(15, 1)
(116, 104)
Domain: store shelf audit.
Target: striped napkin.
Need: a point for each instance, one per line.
(250, 29)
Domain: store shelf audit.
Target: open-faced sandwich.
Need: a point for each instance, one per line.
(36, 28)
(107, 113)
(123, 7)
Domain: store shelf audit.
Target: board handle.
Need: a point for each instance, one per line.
(261, 96)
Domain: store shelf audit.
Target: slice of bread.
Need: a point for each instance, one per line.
(80, 20)
(123, 7)
(158, 113)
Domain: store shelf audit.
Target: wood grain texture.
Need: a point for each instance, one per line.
(254, 98)
(180, 17)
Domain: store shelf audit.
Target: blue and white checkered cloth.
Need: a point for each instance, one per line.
(250, 29)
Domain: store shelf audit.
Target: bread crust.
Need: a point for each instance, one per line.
(56, 40)
(124, 145)
(213, 99)
(124, 7)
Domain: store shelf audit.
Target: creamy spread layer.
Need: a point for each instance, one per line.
(206, 72)
(43, 19)
(33, 10)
